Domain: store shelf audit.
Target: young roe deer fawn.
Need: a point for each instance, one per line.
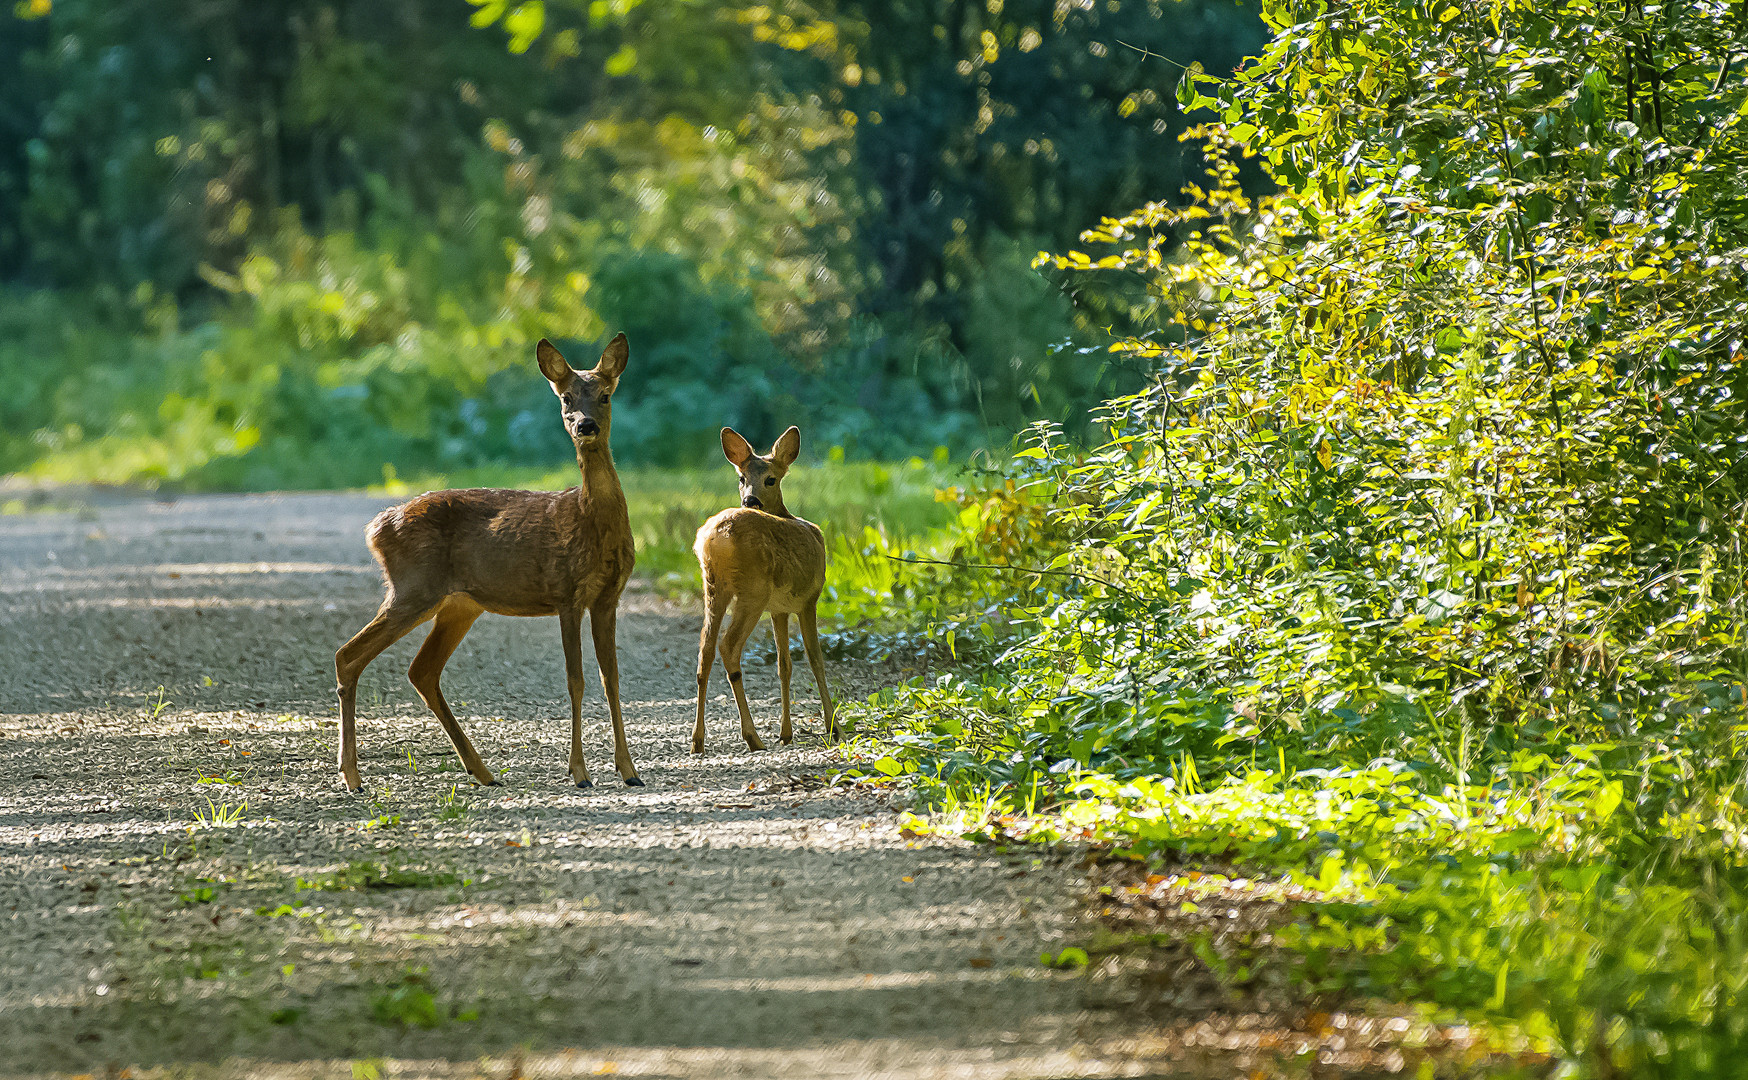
(762, 558)
(451, 555)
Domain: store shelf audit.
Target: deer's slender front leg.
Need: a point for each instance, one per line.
(780, 631)
(747, 610)
(603, 624)
(570, 625)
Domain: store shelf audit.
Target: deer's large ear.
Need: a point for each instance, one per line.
(786, 447)
(613, 359)
(736, 449)
(553, 366)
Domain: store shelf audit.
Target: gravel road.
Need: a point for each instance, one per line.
(185, 890)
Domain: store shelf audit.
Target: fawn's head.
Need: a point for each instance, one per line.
(585, 396)
(761, 478)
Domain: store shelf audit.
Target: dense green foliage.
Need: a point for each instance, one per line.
(1419, 569)
(285, 243)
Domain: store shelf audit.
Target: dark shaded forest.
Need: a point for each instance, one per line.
(287, 243)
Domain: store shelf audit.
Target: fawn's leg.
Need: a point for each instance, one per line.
(603, 624)
(570, 625)
(816, 659)
(453, 619)
(747, 610)
(780, 631)
(714, 605)
(392, 622)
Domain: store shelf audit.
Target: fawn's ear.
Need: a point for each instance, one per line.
(613, 359)
(736, 449)
(788, 445)
(552, 365)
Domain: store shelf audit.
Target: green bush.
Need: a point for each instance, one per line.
(1418, 571)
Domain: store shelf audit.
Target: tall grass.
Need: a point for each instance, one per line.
(865, 509)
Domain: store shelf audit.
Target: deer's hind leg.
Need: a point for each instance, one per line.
(454, 616)
(715, 603)
(816, 660)
(785, 666)
(747, 610)
(393, 621)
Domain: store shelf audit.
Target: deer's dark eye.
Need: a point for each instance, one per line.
(770, 481)
(604, 399)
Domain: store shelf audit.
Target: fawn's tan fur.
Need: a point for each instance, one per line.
(453, 555)
(761, 558)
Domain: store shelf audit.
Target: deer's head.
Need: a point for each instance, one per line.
(585, 397)
(761, 477)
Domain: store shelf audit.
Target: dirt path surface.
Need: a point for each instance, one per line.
(184, 889)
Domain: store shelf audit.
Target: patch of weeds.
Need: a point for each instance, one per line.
(227, 778)
(156, 708)
(296, 909)
(411, 1003)
(209, 960)
(450, 807)
(361, 875)
(1072, 958)
(218, 815)
(203, 890)
(382, 821)
(367, 1069)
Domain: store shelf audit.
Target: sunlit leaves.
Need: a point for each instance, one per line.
(524, 21)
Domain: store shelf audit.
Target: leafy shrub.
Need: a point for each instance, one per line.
(1417, 571)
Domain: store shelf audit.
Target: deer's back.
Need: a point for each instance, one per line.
(515, 552)
(750, 551)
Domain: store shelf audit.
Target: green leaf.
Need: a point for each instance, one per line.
(621, 62)
(524, 23)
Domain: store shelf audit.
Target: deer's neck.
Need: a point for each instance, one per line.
(600, 486)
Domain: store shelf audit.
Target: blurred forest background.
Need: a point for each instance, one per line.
(289, 243)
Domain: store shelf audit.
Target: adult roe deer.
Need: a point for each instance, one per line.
(452, 555)
(762, 558)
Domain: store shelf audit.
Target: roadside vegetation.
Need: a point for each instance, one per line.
(1417, 575)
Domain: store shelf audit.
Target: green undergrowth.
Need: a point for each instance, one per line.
(1417, 578)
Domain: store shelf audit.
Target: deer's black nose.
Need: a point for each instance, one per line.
(587, 426)
(751, 502)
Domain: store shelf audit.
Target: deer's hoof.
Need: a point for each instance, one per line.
(585, 783)
(633, 781)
